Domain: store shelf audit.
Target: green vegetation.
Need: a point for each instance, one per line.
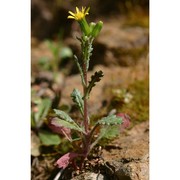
(134, 100)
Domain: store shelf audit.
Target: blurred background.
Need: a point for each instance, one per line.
(120, 51)
(49, 22)
(48, 17)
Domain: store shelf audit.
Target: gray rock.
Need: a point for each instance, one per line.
(90, 176)
(117, 45)
(132, 160)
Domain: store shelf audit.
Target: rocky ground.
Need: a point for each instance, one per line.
(121, 52)
(127, 157)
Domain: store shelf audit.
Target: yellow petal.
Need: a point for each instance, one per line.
(70, 17)
(87, 10)
(83, 9)
(77, 9)
(71, 13)
(79, 14)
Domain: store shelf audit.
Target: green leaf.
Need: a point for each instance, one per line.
(77, 99)
(102, 133)
(65, 121)
(94, 79)
(63, 115)
(79, 68)
(110, 120)
(111, 132)
(66, 124)
(48, 138)
(43, 62)
(107, 132)
(43, 108)
(110, 129)
(65, 52)
(46, 103)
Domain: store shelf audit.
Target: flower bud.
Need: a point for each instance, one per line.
(92, 25)
(96, 29)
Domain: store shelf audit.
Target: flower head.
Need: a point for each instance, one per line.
(79, 15)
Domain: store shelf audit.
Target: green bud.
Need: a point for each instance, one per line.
(92, 25)
(96, 29)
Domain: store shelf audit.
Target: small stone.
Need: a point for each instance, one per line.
(89, 176)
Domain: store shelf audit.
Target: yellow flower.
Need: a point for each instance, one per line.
(79, 15)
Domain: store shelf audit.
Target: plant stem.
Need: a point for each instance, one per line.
(85, 100)
(86, 47)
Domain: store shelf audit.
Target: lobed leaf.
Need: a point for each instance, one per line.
(110, 120)
(102, 133)
(77, 99)
(94, 79)
(109, 130)
(111, 133)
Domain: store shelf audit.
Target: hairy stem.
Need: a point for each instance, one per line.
(86, 48)
(85, 100)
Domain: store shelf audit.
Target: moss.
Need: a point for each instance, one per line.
(138, 107)
(140, 19)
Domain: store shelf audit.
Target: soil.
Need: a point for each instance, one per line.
(126, 157)
(121, 52)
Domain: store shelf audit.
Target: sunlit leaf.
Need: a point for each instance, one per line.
(109, 129)
(110, 120)
(109, 133)
(66, 124)
(62, 115)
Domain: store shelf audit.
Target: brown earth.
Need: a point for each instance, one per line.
(125, 158)
(121, 52)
